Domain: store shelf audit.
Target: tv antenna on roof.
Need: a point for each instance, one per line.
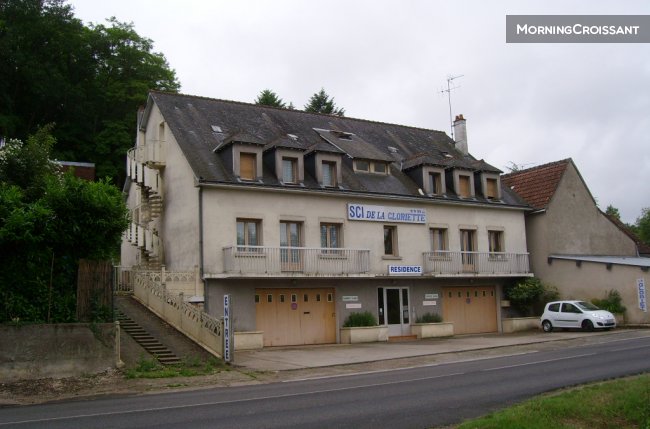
(448, 91)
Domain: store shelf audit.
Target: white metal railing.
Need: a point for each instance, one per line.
(447, 262)
(301, 260)
(150, 288)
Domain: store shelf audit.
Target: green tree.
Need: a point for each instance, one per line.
(613, 211)
(269, 98)
(89, 81)
(43, 234)
(320, 102)
(642, 226)
(529, 295)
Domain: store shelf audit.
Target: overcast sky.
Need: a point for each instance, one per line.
(388, 61)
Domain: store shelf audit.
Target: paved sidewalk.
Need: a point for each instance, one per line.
(302, 357)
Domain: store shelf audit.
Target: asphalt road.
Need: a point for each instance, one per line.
(419, 397)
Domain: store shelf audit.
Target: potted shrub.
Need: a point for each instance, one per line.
(430, 325)
(362, 327)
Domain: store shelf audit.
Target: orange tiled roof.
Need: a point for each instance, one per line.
(538, 184)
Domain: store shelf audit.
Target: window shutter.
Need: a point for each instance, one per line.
(247, 163)
(463, 182)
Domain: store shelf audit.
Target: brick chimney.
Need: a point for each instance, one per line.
(460, 134)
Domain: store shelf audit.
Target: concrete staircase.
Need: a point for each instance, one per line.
(152, 345)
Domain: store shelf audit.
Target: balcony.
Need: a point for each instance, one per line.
(295, 261)
(477, 263)
(152, 154)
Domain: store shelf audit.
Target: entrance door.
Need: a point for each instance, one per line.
(394, 303)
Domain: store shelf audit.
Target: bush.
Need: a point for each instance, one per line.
(355, 320)
(612, 302)
(529, 295)
(429, 318)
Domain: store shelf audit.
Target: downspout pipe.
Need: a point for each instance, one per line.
(201, 263)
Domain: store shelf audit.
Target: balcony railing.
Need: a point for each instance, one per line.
(446, 262)
(151, 153)
(253, 260)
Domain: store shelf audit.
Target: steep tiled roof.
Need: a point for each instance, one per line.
(200, 125)
(538, 184)
(643, 248)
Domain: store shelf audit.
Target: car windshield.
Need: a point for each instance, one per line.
(587, 306)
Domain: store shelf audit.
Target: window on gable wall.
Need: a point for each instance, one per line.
(247, 166)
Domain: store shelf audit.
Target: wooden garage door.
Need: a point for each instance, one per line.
(472, 310)
(296, 316)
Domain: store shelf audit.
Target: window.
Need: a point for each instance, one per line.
(467, 240)
(330, 234)
(438, 240)
(390, 240)
(360, 165)
(464, 186)
(247, 166)
(554, 307)
(435, 183)
(289, 170)
(329, 173)
(495, 239)
(467, 247)
(492, 188)
(379, 167)
(247, 234)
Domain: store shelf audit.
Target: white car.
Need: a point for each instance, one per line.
(575, 314)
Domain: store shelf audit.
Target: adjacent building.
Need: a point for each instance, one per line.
(305, 218)
(574, 245)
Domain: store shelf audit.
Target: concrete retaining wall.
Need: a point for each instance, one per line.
(57, 350)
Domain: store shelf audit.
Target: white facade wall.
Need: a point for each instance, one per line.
(223, 206)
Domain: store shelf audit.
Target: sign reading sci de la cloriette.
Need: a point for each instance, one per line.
(385, 214)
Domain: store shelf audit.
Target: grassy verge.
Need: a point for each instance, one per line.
(619, 404)
(190, 367)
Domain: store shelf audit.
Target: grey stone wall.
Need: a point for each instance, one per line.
(56, 350)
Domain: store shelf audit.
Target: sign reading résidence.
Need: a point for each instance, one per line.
(385, 214)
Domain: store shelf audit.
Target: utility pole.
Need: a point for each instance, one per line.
(448, 91)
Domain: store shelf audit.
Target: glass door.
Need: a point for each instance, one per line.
(290, 257)
(394, 310)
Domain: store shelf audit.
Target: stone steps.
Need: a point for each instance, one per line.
(146, 340)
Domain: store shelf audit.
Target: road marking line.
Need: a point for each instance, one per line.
(539, 361)
(205, 404)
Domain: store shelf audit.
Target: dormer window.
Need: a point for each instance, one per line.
(463, 181)
(361, 165)
(490, 186)
(247, 166)
(328, 169)
(289, 170)
(365, 166)
(464, 186)
(379, 167)
(435, 182)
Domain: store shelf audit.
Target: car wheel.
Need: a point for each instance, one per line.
(547, 326)
(587, 325)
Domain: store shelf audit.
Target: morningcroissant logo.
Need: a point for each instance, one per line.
(578, 29)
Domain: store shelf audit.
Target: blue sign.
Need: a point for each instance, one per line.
(404, 270)
(643, 305)
(386, 214)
